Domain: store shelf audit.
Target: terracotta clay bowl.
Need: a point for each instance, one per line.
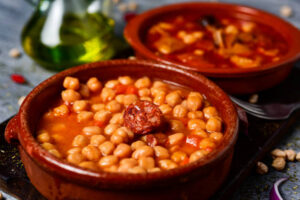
(232, 80)
(56, 179)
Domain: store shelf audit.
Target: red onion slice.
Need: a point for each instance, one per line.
(274, 193)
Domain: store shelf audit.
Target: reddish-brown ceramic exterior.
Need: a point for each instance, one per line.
(236, 81)
(56, 179)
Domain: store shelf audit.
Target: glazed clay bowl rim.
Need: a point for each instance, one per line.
(136, 26)
(81, 176)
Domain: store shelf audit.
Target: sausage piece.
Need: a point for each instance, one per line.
(142, 117)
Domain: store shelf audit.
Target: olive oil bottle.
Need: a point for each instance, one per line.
(60, 35)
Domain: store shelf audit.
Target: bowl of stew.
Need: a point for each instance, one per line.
(126, 129)
(242, 49)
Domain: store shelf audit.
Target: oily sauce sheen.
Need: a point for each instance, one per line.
(88, 126)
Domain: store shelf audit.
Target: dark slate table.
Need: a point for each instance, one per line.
(13, 15)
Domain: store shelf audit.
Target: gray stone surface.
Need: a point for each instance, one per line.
(13, 15)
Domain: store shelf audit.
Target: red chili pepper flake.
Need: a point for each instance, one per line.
(129, 16)
(17, 78)
(185, 161)
(100, 124)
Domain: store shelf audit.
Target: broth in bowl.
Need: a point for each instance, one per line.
(130, 125)
(209, 41)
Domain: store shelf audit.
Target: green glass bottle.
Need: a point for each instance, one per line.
(65, 33)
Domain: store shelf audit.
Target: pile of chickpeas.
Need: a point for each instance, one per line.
(102, 143)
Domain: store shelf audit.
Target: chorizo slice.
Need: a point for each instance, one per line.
(142, 117)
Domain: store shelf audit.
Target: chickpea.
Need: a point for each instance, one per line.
(194, 101)
(135, 145)
(123, 168)
(207, 143)
(217, 137)
(112, 168)
(209, 112)
(174, 148)
(75, 158)
(157, 84)
(91, 130)
(80, 141)
(159, 99)
(107, 148)
(122, 150)
(107, 94)
(152, 170)
(70, 95)
(124, 132)
(121, 132)
(195, 115)
(84, 90)
(111, 84)
(143, 151)
(120, 98)
(55, 153)
(98, 107)
(88, 165)
(94, 84)
(144, 92)
(179, 111)
(176, 125)
(279, 163)
(84, 116)
(113, 106)
(200, 132)
(102, 116)
(161, 152)
(96, 140)
(61, 110)
(165, 109)
(145, 99)
(130, 162)
(91, 153)
(167, 164)
(129, 99)
(110, 128)
(71, 83)
(184, 104)
(74, 150)
(125, 80)
(117, 139)
(261, 168)
(147, 162)
(136, 170)
(144, 82)
(195, 94)
(117, 119)
(80, 105)
(108, 161)
(173, 98)
(44, 137)
(213, 125)
(278, 153)
(178, 156)
(194, 124)
(290, 154)
(176, 138)
(196, 155)
(157, 90)
(48, 146)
